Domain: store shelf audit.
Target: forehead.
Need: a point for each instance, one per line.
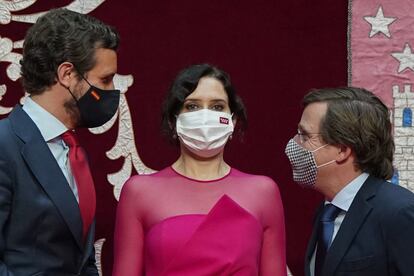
(106, 62)
(208, 88)
(312, 116)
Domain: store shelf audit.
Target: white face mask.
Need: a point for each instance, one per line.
(204, 132)
(303, 163)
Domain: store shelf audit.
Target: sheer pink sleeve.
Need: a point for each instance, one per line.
(273, 255)
(129, 234)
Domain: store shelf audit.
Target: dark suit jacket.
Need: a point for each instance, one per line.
(376, 237)
(40, 222)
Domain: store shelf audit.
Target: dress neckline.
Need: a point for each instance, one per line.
(200, 216)
(202, 181)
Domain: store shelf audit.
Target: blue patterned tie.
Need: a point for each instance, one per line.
(325, 233)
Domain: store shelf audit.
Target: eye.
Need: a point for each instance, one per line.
(217, 107)
(191, 106)
(107, 80)
(303, 136)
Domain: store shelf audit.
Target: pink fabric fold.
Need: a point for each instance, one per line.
(226, 241)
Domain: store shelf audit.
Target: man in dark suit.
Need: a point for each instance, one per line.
(344, 149)
(47, 196)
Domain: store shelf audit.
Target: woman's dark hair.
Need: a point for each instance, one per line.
(185, 83)
(61, 36)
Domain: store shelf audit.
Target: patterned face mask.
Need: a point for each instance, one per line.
(303, 163)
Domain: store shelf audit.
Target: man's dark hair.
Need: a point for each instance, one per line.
(61, 36)
(358, 119)
(186, 82)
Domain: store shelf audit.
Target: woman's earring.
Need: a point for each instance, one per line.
(231, 137)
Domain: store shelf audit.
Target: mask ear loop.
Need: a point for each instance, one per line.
(73, 96)
(321, 147)
(174, 128)
(327, 163)
(86, 81)
(82, 76)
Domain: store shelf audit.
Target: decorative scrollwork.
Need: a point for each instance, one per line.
(7, 6)
(125, 142)
(98, 254)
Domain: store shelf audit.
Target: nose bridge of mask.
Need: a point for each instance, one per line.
(204, 117)
(303, 163)
(297, 152)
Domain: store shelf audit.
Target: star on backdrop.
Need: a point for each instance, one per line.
(406, 58)
(379, 23)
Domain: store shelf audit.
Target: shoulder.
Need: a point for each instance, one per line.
(394, 196)
(259, 183)
(8, 140)
(397, 206)
(262, 187)
(141, 183)
(393, 204)
(5, 129)
(266, 197)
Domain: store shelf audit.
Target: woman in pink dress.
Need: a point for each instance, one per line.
(200, 216)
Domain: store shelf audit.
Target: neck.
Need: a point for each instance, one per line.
(337, 182)
(201, 169)
(53, 102)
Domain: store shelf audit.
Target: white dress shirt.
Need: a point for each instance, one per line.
(342, 200)
(51, 129)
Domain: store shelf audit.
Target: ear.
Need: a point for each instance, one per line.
(65, 74)
(344, 152)
(234, 119)
(172, 126)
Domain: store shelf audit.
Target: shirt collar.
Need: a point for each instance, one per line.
(344, 198)
(50, 127)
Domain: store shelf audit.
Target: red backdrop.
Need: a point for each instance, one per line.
(274, 51)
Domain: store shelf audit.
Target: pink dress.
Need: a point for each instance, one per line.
(171, 225)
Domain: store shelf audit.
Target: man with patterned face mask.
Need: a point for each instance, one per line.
(47, 194)
(344, 149)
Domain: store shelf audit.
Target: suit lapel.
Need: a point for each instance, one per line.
(312, 242)
(89, 245)
(41, 162)
(354, 219)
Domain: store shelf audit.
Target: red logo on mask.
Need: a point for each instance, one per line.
(95, 95)
(224, 121)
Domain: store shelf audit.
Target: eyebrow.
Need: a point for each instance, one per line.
(218, 100)
(302, 129)
(109, 75)
(199, 100)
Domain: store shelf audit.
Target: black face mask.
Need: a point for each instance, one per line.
(97, 106)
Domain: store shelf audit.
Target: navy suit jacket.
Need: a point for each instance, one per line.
(376, 237)
(40, 221)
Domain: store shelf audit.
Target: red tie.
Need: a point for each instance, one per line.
(84, 182)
